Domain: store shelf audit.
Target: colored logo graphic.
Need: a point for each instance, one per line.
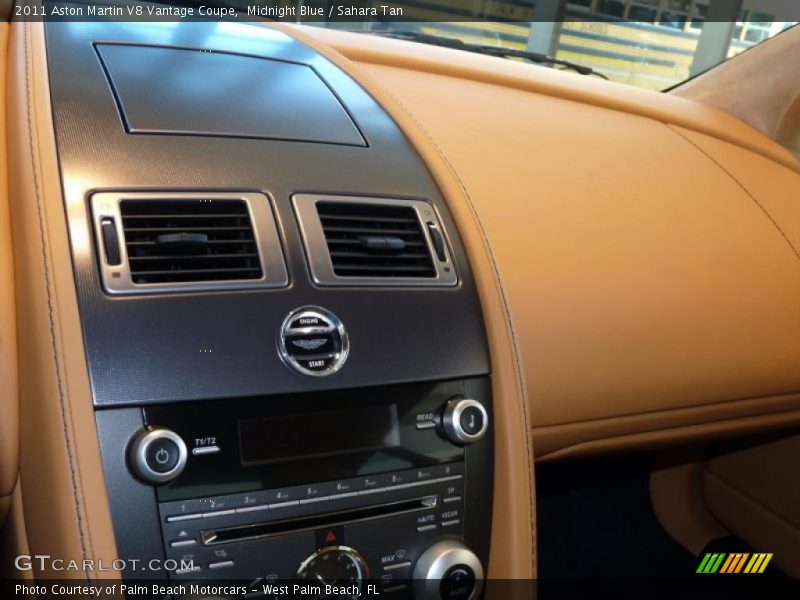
(743, 562)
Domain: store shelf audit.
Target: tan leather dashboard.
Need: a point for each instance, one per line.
(649, 245)
(637, 257)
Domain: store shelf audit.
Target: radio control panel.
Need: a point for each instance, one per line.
(356, 491)
(413, 508)
(383, 485)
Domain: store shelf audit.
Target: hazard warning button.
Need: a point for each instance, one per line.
(330, 536)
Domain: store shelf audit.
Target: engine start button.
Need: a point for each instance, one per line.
(312, 341)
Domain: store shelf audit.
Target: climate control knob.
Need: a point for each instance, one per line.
(448, 570)
(157, 455)
(339, 566)
(464, 420)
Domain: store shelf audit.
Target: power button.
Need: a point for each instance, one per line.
(157, 455)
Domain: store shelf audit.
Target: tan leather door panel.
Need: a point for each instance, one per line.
(9, 415)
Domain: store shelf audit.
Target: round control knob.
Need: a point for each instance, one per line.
(157, 455)
(339, 566)
(464, 420)
(448, 570)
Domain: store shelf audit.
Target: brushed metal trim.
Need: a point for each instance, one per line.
(319, 260)
(117, 279)
(437, 560)
(358, 561)
(138, 452)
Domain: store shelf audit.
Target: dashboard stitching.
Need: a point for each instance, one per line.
(502, 294)
(743, 188)
(50, 312)
(788, 416)
(746, 401)
(604, 99)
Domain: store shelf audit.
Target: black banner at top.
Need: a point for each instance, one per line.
(679, 15)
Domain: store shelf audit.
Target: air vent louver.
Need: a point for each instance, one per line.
(375, 240)
(189, 240)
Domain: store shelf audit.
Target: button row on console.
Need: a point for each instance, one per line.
(191, 507)
(390, 488)
(274, 505)
(277, 498)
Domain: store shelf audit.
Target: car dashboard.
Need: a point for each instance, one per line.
(282, 318)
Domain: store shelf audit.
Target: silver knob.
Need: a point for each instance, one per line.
(157, 455)
(448, 570)
(464, 420)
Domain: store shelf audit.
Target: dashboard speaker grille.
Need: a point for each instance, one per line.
(375, 240)
(189, 240)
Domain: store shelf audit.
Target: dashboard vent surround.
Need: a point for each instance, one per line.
(182, 242)
(373, 241)
(170, 241)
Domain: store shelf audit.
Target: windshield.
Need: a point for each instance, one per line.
(653, 44)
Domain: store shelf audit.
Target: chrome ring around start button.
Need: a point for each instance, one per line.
(312, 341)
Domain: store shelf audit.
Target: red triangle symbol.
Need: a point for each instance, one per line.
(330, 537)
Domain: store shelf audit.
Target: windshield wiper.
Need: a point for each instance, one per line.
(499, 51)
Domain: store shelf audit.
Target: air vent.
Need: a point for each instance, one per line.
(183, 242)
(189, 240)
(373, 241)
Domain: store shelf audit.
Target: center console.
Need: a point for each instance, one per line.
(286, 351)
(369, 484)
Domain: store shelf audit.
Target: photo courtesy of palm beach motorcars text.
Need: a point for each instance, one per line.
(276, 590)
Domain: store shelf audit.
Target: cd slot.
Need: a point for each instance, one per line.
(227, 535)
